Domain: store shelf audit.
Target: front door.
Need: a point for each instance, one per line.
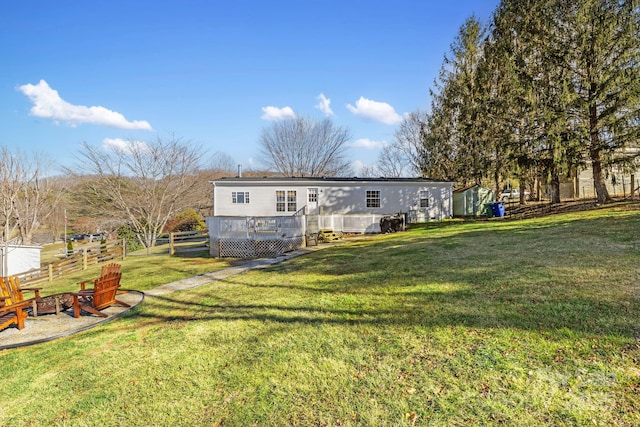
(312, 201)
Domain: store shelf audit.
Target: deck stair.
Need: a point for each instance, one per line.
(328, 236)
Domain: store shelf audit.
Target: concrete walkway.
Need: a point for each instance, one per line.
(53, 326)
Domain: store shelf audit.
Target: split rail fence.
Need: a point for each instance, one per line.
(188, 241)
(86, 257)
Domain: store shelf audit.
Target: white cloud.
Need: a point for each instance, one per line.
(324, 105)
(275, 113)
(357, 165)
(374, 110)
(368, 144)
(119, 144)
(48, 104)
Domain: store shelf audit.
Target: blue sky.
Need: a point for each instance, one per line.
(216, 73)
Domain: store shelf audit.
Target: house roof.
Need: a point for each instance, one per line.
(470, 187)
(296, 179)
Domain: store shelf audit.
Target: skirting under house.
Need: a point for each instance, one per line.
(250, 248)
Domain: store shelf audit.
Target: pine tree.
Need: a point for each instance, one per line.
(606, 70)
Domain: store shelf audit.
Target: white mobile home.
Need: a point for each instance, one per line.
(422, 199)
(255, 217)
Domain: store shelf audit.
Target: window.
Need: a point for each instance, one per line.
(291, 201)
(373, 198)
(286, 201)
(313, 195)
(280, 201)
(240, 197)
(424, 199)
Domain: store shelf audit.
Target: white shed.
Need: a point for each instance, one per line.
(17, 259)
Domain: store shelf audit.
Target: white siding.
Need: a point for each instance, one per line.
(334, 197)
(262, 199)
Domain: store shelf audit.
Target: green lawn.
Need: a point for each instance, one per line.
(532, 322)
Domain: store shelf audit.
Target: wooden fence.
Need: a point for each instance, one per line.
(188, 241)
(86, 257)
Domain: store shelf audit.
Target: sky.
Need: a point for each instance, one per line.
(217, 73)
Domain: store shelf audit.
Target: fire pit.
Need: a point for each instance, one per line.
(53, 304)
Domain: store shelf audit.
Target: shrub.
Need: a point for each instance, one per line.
(129, 235)
(188, 220)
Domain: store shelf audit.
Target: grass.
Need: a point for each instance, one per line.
(144, 272)
(530, 322)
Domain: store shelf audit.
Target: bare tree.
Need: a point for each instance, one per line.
(368, 171)
(221, 164)
(392, 162)
(27, 196)
(142, 184)
(409, 140)
(303, 147)
(38, 198)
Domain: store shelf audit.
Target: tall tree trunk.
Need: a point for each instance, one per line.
(598, 178)
(536, 188)
(523, 197)
(555, 187)
(596, 163)
(496, 181)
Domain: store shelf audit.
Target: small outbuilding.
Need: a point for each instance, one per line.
(471, 201)
(16, 259)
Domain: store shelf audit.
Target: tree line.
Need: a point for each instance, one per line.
(546, 88)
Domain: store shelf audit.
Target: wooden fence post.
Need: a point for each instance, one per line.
(50, 272)
(124, 249)
(172, 249)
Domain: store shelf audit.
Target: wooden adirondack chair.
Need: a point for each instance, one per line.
(11, 310)
(11, 288)
(102, 295)
(106, 269)
(12, 313)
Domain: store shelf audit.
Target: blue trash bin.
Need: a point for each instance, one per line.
(497, 209)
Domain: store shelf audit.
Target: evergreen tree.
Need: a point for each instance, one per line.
(453, 133)
(605, 66)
